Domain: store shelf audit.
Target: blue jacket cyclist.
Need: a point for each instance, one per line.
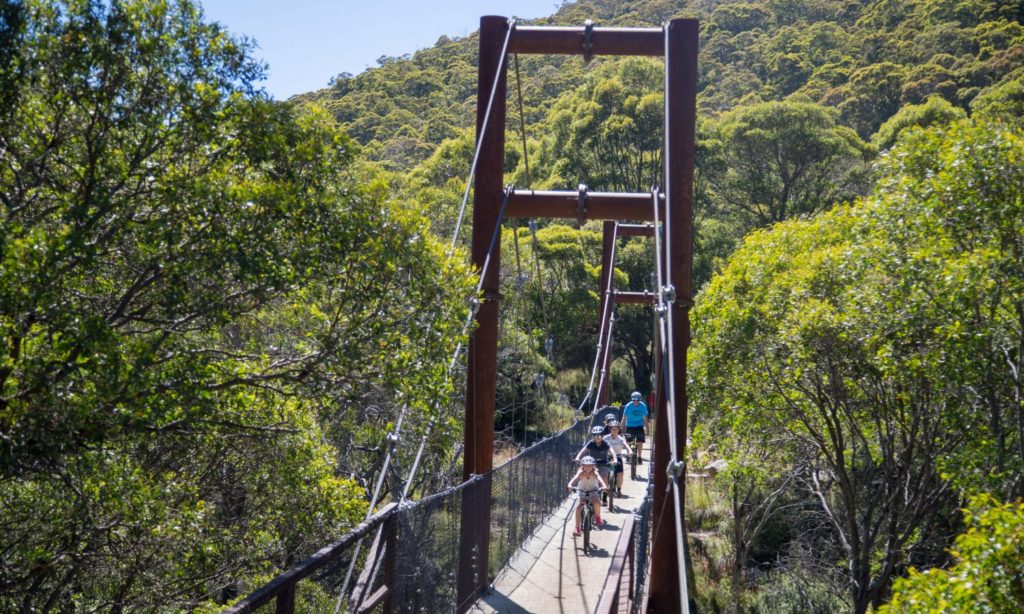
(637, 420)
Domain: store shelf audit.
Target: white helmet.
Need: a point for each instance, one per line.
(635, 396)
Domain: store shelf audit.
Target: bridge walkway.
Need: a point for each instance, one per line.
(550, 573)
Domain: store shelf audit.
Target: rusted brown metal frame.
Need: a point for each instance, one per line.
(482, 355)
(282, 588)
(565, 205)
(611, 232)
(680, 121)
(482, 363)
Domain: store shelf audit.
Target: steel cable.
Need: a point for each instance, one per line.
(483, 131)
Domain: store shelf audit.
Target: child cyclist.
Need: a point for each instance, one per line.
(601, 452)
(621, 448)
(589, 482)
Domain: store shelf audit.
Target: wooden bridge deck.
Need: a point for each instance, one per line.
(551, 573)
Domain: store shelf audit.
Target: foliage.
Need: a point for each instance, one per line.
(933, 112)
(608, 132)
(987, 574)
(783, 160)
(197, 306)
(830, 340)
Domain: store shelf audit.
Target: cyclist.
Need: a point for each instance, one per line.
(635, 415)
(598, 449)
(621, 448)
(589, 481)
(608, 418)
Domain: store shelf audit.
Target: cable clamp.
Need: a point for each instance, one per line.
(392, 438)
(675, 469)
(668, 293)
(588, 41)
(581, 204)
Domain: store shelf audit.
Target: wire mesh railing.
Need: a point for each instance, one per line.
(413, 562)
(624, 587)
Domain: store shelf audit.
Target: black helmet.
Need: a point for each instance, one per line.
(597, 430)
(608, 417)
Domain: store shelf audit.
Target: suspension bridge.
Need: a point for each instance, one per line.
(498, 542)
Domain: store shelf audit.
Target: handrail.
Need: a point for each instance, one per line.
(625, 587)
(283, 586)
(623, 561)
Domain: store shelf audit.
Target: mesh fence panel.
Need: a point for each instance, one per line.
(641, 545)
(424, 539)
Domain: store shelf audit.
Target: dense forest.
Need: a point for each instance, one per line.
(215, 306)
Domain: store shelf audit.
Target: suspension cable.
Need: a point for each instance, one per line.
(605, 316)
(483, 131)
(475, 302)
(609, 305)
(540, 286)
(522, 120)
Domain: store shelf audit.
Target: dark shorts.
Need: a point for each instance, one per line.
(637, 432)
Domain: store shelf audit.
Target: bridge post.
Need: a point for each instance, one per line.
(607, 268)
(680, 120)
(481, 377)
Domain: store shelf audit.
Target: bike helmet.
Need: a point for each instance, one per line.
(635, 396)
(614, 423)
(588, 460)
(608, 417)
(597, 430)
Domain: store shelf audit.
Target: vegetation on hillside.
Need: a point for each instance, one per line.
(214, 306)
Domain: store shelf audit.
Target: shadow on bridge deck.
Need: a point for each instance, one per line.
(550, 573)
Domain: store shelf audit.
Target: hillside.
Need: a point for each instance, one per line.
(864, 59)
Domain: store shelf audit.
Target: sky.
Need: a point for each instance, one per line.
(307, 42)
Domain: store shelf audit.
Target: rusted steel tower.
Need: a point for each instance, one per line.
(677, 43)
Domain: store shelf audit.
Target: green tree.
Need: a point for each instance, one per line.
(935, 111)
(987, 573)
(607, 133)
(196, 305)
(836, 339)
(781, 160)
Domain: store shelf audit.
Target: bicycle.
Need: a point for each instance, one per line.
(587, 521)
(612, 485)
(632, 457)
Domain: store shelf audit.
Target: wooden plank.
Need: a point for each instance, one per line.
(636, 230)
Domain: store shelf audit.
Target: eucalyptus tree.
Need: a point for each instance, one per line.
(194, 298)
(607, 133)
(773, 161)
(876, 349)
